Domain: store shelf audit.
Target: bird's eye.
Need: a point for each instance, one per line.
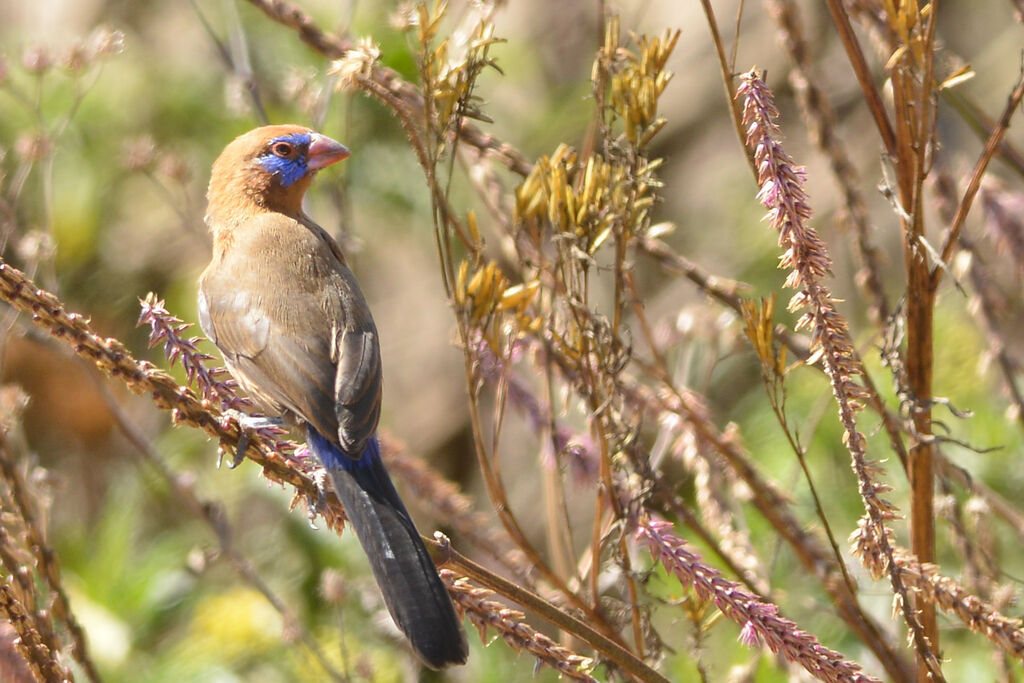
(282, 149)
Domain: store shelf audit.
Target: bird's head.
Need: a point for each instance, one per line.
(268, 169)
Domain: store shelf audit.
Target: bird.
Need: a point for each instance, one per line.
(287, 314)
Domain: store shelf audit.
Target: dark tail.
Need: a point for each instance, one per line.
(415, 595)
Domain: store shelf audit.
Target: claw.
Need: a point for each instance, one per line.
(246, 425)
(244, 436)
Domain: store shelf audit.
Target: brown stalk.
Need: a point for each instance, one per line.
(725, 292)
(981, 125)
(485, 614)
(213, 516)
(40, 659)
(111, 357)
(445, 556)
(995, 138)
(821, 120)
(978, 615)
(728, 76)
(775, 508)
(46, 560)
(807, 258)
(915, 111)
(863, 72)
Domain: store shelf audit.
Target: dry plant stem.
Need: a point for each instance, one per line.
(982, 126)
(886, 41)
(292, 16)
(496, 492)
(775, 508)
(807, 258)
(914, 117)
(16, 576)
(113, 358)
(863, 72)
(39, 658)
(486, 614)
(443, 498)
(13, 558)
(761, 621)
(727, 73)
(822, 127)
(978, 615)
(725, 291)
(559, 529)
(741, 550)
(991, 147)
(46, 560)
(213, 515)
(997, 342)
(499, 501)
(446, 556)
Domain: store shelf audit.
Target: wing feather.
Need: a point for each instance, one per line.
(294, 326)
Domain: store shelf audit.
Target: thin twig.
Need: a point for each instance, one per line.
(991, 146)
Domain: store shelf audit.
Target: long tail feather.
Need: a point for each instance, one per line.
(413, 592)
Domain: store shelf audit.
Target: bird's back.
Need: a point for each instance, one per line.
(279, 302)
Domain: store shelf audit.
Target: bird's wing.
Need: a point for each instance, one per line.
(357, 387)
(289, 317)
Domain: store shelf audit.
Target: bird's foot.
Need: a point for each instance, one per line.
(320, 479)
(247, 424)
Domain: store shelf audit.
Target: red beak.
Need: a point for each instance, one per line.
(323, 151)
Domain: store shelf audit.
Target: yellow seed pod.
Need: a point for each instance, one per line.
(460, 283)
(570, 207)
(519, 296)
(475, 283)
(601, 238)
(474, 229)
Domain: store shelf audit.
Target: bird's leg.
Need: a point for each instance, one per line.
(320, 479)
(247, 424)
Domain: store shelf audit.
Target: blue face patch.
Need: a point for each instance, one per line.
(289, 170)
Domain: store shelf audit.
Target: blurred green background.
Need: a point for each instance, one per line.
(113, 209)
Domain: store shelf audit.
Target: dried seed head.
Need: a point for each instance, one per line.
(333, 586)
(33, 146)
(75, 58)
(139, 154)
(36, 59)
(174, 167)
(105, 42)
(404, 17)
(357, 62)
(37, 246)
